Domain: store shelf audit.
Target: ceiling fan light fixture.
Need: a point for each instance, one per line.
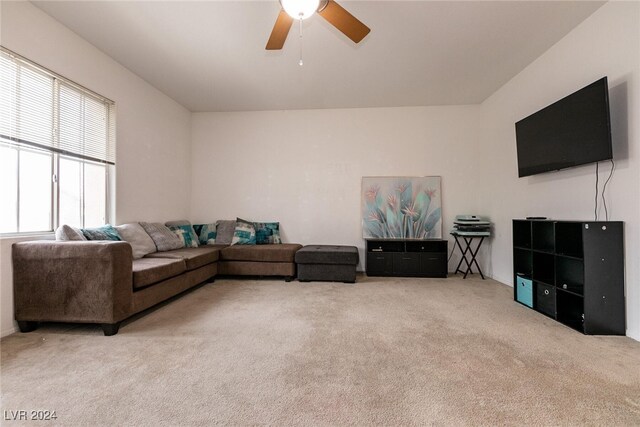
(300, 9)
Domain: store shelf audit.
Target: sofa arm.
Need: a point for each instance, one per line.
(87, 282)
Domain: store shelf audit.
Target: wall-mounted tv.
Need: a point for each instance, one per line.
(573, 131)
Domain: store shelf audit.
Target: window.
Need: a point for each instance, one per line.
(57, 150)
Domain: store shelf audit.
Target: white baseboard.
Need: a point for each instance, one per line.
(8, 331)
(633, 336)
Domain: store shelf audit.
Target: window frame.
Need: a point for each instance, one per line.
(57, 153)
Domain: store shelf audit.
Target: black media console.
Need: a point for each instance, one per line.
(572, 271)
(407, 257)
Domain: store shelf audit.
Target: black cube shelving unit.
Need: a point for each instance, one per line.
(575, 272)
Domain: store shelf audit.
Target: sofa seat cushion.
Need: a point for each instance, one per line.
(147, 271)
(284, 252)
(193, 257)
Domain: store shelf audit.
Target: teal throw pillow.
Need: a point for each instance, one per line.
(186, 234)
(244, 234)
(106, 232)
(267, 233)
(206, 233)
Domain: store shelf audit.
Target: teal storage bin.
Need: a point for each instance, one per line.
(524, 291)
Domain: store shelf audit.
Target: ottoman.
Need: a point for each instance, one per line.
(327, 263)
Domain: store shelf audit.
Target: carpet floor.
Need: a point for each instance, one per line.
(380, 352)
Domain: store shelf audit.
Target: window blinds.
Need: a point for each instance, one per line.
(43, 110)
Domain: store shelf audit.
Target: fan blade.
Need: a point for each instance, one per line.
(337, 16)
(280, 31)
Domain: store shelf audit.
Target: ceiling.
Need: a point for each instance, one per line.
(210, 56)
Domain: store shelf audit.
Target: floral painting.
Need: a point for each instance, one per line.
(401, 208)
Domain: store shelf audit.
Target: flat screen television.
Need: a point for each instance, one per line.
(573, 131)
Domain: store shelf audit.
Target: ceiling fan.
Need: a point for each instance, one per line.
(335, 14)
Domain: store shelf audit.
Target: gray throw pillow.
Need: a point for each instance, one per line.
(224, 231)
(164, 238)
(67, 232)
(140, 242)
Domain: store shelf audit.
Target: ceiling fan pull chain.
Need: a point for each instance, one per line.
(300, 63)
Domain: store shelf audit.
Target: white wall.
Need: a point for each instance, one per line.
(153, 131)
(606, 44)
(304, 168)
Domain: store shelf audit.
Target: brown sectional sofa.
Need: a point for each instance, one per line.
(100, 282)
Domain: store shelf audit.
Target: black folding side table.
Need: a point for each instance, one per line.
(467, 239)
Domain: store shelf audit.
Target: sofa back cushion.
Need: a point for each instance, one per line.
(67, 232)
(106, 232)
(177, 222)
(140, 242)
(164, 239)
(224, 231)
